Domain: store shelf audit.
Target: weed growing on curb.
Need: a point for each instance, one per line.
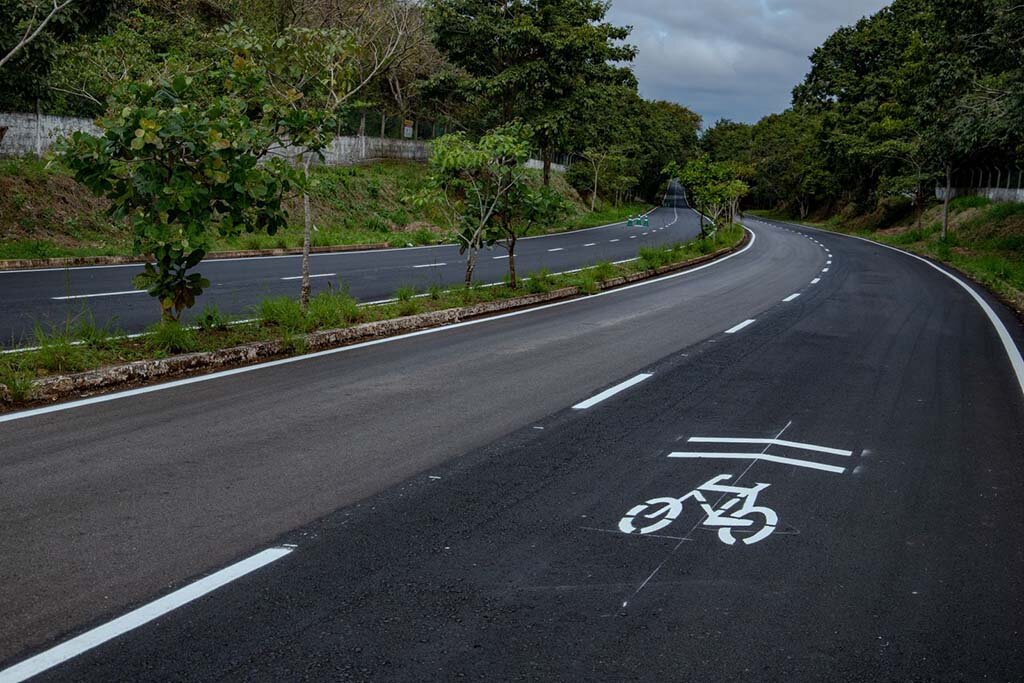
(168, 337)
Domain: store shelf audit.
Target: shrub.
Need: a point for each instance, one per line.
(539, 282)
(212, 319)
(283, 312)
(405, 293)
(96, 336)
(169, 337)
(17, 380)
(968, 202)
(435, 291)
(332, 309)
(654, 257)
(57, 352)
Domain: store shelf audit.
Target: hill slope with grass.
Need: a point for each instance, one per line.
(44, 213)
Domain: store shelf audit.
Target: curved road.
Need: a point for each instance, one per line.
(435, 506)
(48, 296)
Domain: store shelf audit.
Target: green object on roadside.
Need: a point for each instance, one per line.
(629, 222)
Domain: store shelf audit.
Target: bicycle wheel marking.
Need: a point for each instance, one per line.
(730, 509)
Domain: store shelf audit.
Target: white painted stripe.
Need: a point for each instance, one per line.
(815, 280)
(608, 393)
(93, 296)
(791, 297)
(734, 330)
(773, 442)
(557, 249)
(136, 618)
(590, 244)
(299, 277)
(760, 456)
(10, 417)
(1012, 352)
(498, 258)
(431, 265)
(632, 237)
(614, 240)
(824, 270)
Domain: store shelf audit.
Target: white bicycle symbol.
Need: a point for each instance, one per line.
(657, 513)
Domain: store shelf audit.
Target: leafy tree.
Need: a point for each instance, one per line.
(485, 186)
(182, 164)
(530, 60)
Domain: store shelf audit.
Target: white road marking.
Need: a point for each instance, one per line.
(92, 296)
(734, 330)
(772, 442)
(557, 249)
(498, 258)
(1012, 352)
(614, 240)
(136, 618)
(761, 456)
(10, 417)
(299, 277)
(815, 280)
(632, 237)
(608, 393)
(431, 265)
(590, 244)
(824, 270)
(791, 297)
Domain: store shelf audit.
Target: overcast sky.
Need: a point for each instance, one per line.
(736, 59)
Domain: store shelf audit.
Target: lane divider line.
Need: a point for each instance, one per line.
(791, 297)
(590, 244)
(824, 270)
(92, 296)
(745, 323)
(299, 277)
(815, 280)
(138, 617)
(1009, 345)
(431, 265)
(608, 393)
(498, 258)
(761, 456)
(557, 249)
(105, 398)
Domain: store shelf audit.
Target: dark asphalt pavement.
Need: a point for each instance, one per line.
(39, 297)
(454, 516)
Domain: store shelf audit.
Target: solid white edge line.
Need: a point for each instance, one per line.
(608, 393)
(94, 296)
(138, 617)
(1012, 352)
(362, 345)
(745, 323)
(791, 297)
(774, 442)
(761, 456)
(299, 277)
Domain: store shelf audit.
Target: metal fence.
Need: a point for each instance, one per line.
(1001, 183)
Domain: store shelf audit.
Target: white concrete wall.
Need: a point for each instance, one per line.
(996, 194)
(28, 135)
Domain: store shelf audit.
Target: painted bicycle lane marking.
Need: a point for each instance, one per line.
(735, 514)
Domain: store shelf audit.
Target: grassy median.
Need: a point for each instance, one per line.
(79, 344)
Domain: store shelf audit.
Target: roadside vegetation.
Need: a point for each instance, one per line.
(45, 213)
(79, 344)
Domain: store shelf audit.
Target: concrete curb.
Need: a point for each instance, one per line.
(79, 261)
(62, 387)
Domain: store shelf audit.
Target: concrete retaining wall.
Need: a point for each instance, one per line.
(996, 194)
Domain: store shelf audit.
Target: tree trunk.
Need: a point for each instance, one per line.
(307, 238)
(547, 166)
(513, 281)
(945, 201)
(383, 124)
(593, 197)
(470, 266)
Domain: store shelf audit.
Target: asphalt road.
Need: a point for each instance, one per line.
(31, 298)
(443, 511)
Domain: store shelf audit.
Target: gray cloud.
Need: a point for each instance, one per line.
(736, 59)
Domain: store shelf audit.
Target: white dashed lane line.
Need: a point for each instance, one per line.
(299, 277)
(431, 265)
(608, 393)
(745, 323)
(815, 280)
(557, 249)
(791, 297)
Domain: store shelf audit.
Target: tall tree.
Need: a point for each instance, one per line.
(529, 59)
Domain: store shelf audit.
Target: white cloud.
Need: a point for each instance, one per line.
(736, 59)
